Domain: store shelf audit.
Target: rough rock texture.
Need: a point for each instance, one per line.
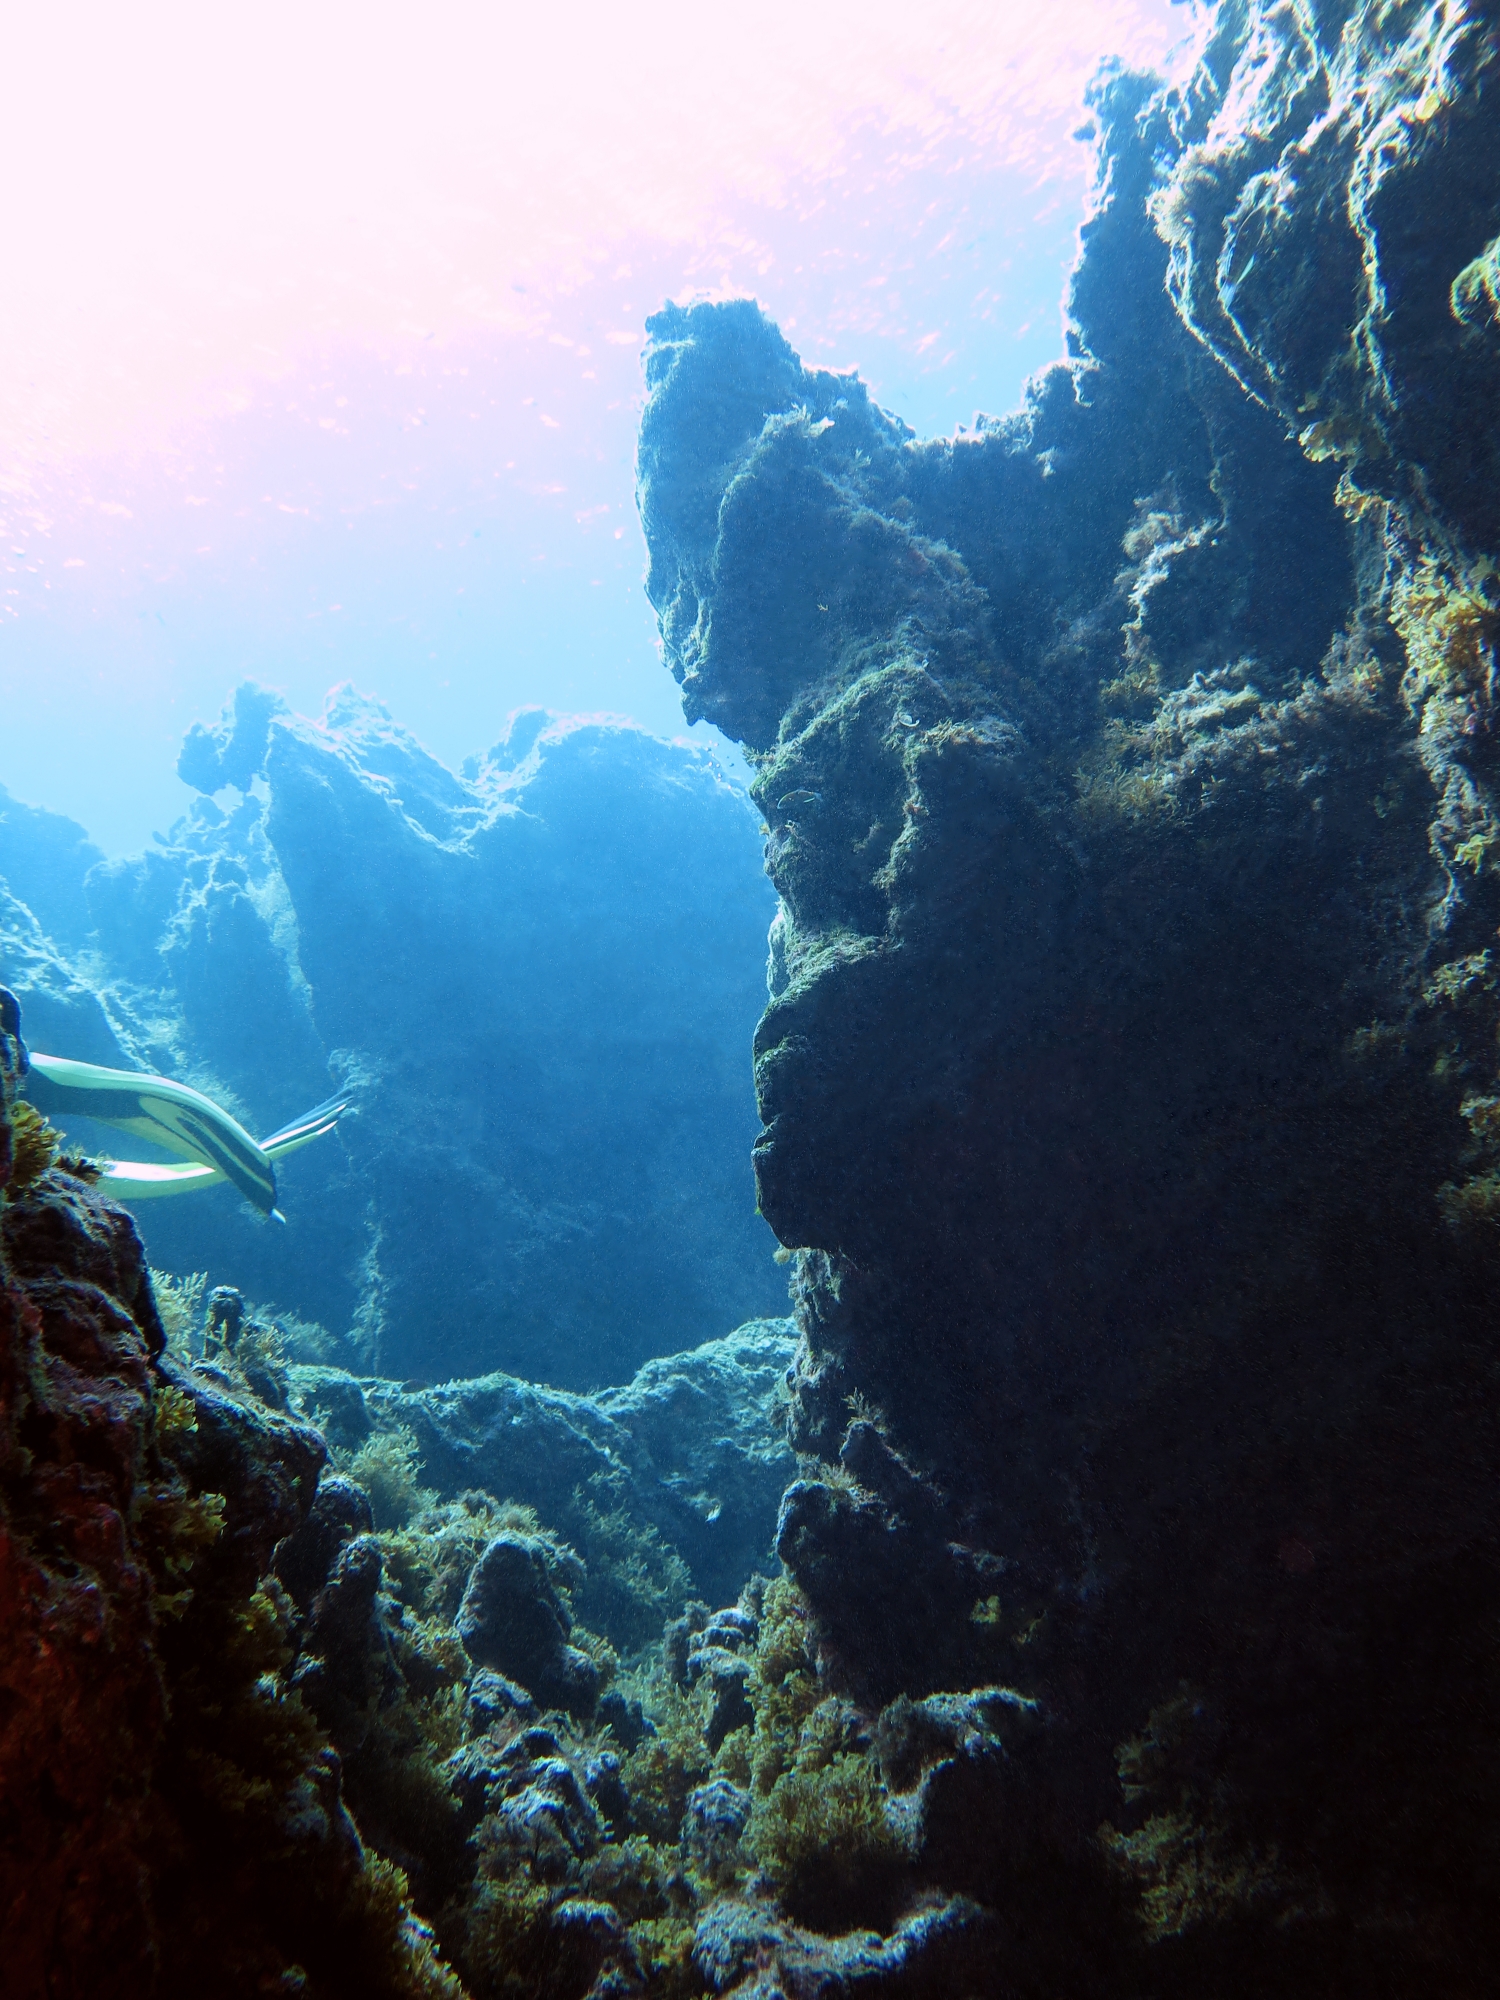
(512, 1619)
(76, 1592)
(339, 1513)
(749, 1950)
(170, 1822)
(1129, 1085)
(541, 977)
(693, 1447)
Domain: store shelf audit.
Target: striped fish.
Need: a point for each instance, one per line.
(211, 1145)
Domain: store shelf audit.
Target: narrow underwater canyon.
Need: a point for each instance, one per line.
(1130, 1107)
(537, 979)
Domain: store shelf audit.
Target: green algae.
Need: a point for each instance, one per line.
(242, 1779)
(35, 1147)
(180, 1303)
(388, 1466)
(664, 1768)
(1192, 1863)
(783, 1688)
(1189, 1873)
(822, 1833)
(636, 1580)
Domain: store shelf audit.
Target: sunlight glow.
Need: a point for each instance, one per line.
(319, 356)
(196, 192)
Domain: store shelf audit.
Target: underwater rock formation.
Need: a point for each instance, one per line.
(512, 1619)
(248, 1738)
(1131, 1104)
(691, 1450)
(541, 978)
(171, 1821)
(1129, 1081)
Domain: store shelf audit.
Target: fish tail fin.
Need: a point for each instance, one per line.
(311, 1125)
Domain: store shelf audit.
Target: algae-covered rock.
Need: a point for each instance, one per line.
(1128, 1082)
(683, 1465)
(747, 1949)
(513, 1620)
(339, 1513)
(173, 1819)
(493, 1699)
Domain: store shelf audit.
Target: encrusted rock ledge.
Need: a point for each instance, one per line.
(169, 1822)
(693, 1447)
(1128, 768)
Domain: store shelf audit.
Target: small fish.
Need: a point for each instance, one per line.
(798, 799)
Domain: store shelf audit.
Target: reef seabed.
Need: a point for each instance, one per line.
(1131, 1108)
(280, 1721)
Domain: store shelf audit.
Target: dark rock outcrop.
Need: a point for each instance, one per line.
(494, 1699)
(1129, 1079)
(170, 1821)
(751, 1951)
(845, 1542)
(340, 1511)
(264, 1463)
(716, 1818)
(85, 1688)
(693, 1447)
(346, 1668)
(513, 1620)
(540, 979)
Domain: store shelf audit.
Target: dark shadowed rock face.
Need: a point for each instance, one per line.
(542, 979)
(513, 1620)
(339, 1513)
(169, 1821)
(1129, 1080)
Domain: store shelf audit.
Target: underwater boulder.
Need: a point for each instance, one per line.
(747, 1948)
(493, 1699)
(593, 1950)
(717, 1815)
(340, 1511)
(603, 1782)
(533, 1800)
(336, 1401)
(722, 1671)
(346, 1669)
(512, 1619)
(624, 1717)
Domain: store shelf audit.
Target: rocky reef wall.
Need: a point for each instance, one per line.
(692, 1452)
(540, 978)
(278, 1717)
(169, 1820)
(1129, 1084)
